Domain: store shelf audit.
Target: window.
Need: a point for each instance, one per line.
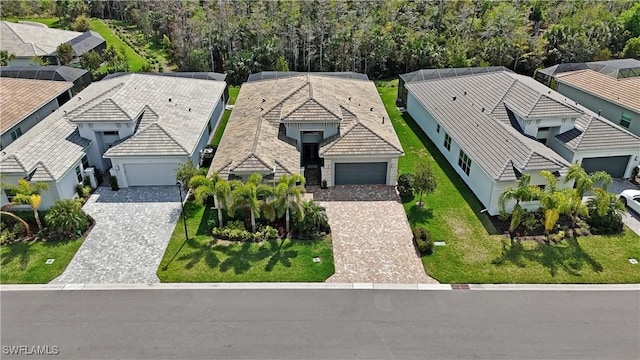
(464, 162)
(447, 141)
(438, 129)
(10, 194)
(79, 174)
(209, 127)
(85, 162)
(16, 133)
(625, 120)
(544, 187)
(110, 133)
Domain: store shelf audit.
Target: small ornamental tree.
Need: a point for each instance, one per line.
(423, 180)
(65, 53)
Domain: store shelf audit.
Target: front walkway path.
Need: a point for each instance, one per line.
(132, 230)
(372, 240)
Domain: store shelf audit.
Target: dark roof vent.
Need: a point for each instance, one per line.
(599, 111)
(482, 109)
(349, 98)
(465, 93)
(263, 99)
(371, 109)
(549, 92)
(189, 109)
(454, 98)
(383, 119)
(261, 109)
(169, 99)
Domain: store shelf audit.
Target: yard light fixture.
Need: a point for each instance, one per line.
(184, 215)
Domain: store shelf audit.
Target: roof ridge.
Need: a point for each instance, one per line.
(168, 134)
(282, 166)
(286, 98)
(95, 99)
(46, 169)
(250, 155)
(514, 80)
(333, 143)
(17, 159)
(584, 131)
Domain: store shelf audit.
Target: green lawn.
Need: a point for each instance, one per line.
(24, 263)
(202, 260)
(50, 22)
(475, 254)
(135, 60)
(233, 94)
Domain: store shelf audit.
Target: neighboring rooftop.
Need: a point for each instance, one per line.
(48, 72)
(269, 75)
(478, 116)
(622, 91)
(431, 74)
(189, 75)
(617, 69)
(29, 39)
(254, 139)
(179, 107)
(19, 98)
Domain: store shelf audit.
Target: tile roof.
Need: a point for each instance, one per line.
(32, 39)
(592, 132)
(105, 111)
(178, 124)
(622, 91)
(480, 121)
(19, 98)
(86, 42)
(46, 72)
(254, 137)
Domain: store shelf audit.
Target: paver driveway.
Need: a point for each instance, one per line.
(132, 230)
(372, 240)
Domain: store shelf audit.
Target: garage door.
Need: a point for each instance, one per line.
(361, 173)
(614, 165)
(150, 174)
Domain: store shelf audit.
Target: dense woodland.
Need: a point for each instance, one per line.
(382, 38)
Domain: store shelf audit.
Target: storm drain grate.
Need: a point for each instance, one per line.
(633, 261)
(50, 261)
(459, 286)
(316, 259)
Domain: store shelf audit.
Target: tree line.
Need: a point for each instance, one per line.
(382, 38)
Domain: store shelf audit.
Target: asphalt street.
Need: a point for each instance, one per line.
(320, 324)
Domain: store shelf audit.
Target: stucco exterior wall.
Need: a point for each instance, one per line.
(293, 130)
(207, 136)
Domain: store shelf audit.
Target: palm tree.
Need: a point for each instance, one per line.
(523, 192)
(216, 187)
(586, 182)
(249, 196)
(289, 196)
(28, 193)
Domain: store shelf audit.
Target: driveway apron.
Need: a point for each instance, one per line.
(133, 227)
(372, 240)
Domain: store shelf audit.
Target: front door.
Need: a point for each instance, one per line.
(310, 155)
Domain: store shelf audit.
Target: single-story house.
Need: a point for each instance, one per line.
(493, 126)
(79, 77)
(24, 103)
(610, 88)
(325, 127)
(137, 127)
(27, 39)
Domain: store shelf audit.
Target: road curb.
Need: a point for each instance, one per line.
(323, 286)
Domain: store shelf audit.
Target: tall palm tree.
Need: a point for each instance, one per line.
(214, 187)
(28, 193)
(249, 195)
(523, 192)
(586, 182)
(289, 196)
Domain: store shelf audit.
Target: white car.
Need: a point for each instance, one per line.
(631, 198)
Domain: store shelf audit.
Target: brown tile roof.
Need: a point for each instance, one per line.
(622, 91)
(19, 98)
(253, 139)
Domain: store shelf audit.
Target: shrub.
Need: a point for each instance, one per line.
(323, 184)
(405, 187)
(423, 241)
(86, 181)
(12, 230)
(235, 234)
(236, 224)
(185, 172)
(114, 183)
(312, 222)
(67, 216)
(531, 221)
(83, 191)
(605, 213)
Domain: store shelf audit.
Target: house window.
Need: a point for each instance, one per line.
(542, 187)
(464, 162)
(10, 194)
(79, 174)
(625, 120)
(16, 133)
(438, 129)
(447, 141)
(110, 133)
(209, 128)
(85, 162)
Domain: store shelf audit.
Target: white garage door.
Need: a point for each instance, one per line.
(150, 174)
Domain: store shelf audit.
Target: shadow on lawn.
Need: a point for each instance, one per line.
(453, 176)
(417, 214)
(19, 250)
(567, 255)
(240, 258)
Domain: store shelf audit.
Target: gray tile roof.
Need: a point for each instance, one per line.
(86, 42)
(253, 139)
(595, 133)
(29, 39)
(106, 110)
(479, 120)
(177, 124)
